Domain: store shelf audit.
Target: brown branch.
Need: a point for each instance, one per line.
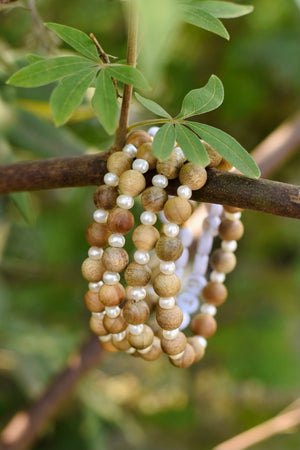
(25, 426)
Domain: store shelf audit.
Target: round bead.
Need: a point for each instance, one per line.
(97, 326)
(178, 152)
(175, 345)
(188, 302)
(167, 302)
(186, 359)
(184, 192)
(222, 261)
(125, 201)
(130, 149)
(166, 285)
(177, 210)
(136, 313)
(154, 352)
(171, 230)
(154, 198)
(193, 175)
(120, 345)
(160, 181)
(169, 319)
(111, 179)
(218, 277)
(148, 218)
(95, 253)
(214, 293)
(140, 165)
(224, 165)
(231, 230)
(170, 167)
(151, 298)
(229, 246)
(105, 197)
(214, 209)
(94, 287)
(142, 340)
(132, 183)
(138, 138)
(100, 216)
(115, 259)
(116, 240)
(170, 334)
(168, 248)
(232, 209)
(111, 295)
(153, 130)
(114, 325)
(111, 277)
(145, 152)
(137, 275)
(92, 269)
(137, 294)
(118, 162)
(208, 309)
(198, 348)
(92, 302)
(204, 325)
(119, 336)
(97, 234)
(214, 157)
(112, 311)
(141, 257)
(120, 220)
(167, 267)
(195, 283)
(145, 237)
(136, 329)
(108, 346)
(202, 341)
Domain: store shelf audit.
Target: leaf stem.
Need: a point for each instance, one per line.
(147, 122)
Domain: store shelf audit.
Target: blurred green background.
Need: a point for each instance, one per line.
(251, 368)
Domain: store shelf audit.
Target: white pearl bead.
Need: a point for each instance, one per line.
(170, 334)
(167, 267)
(188, 302)
(99, 315)
(145, 350)
(195, 283)
(217, 276)
(141, 165)
(119, 336)
(95, 252)
(200, 264)
(111, 179)
(94, 287)
(178, 151)
(178, 356)
(208, 309)
(111, 277)
(233, 216)
(160, 181)
(153, 130)
(130, 351)
(214, 209)
(130, 149)
(100, 215)
(186, 236)
(202, 341)
(137, 293)
(125, 201)
(136, 329)
(185, 321)
(116, 240)
(171, 229)
(167, 302)
(148, 218)
(141, 257)
(184, 192)
(183, 260)
(106, 338)
(112, 311)
(229, 246)
(205, 244)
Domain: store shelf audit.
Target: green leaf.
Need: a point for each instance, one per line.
(22, 203)
(163, 142)
(69, 93)
(228, 147)
(191, 145)
(152, 106)
(194, 15)
(128, 75)
(76, 39)
(199, 101)
(225, 10)
(105, 102)
(32, 58)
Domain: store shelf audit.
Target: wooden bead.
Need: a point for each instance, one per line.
(168, 248)
(97, 327)
(136, 313)
(142, 340)
(108, 346)
(138, 138)
(137, 275)
(153, 198)
(222, 261)
(193, 175)
(120, 220)
(232, 209)
(111, 295)
(92, 269)
(145, 237)
(177, 210)
(214, 293)
(231, 230)
(105, 197)
(145, 152)
(116, 325)
(166, 285)
(154, 352)
(121, 345)
(97, 234)
(170, 167)
(132, 183)
(224, 165)
(118, 162)
(174, 346)
(204, 325)
(92, 302)
(115, 259)
(186, 359)
(198, 348)
(169, 319)
(214, 157)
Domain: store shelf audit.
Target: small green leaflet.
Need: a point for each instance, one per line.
(48, 70)
(191, 145)
(32, 58)
(164, 141)
(199, 101)
(22, 203)
(194, 15)
(152, 106)
(224, 10)
(105, 102)
(128, 75)
(228, 147)
(68, 95)
(76, 39)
